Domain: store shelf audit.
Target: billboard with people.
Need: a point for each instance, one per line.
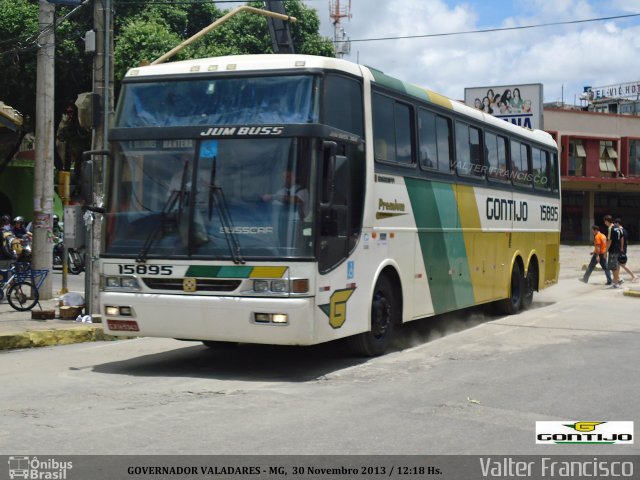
(518, 104)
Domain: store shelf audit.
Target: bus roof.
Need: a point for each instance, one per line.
(245, 63)
(240, 63)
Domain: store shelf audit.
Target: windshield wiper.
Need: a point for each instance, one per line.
(216, 197)
(176, 195)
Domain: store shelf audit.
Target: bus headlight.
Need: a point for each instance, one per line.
(279, 286)
(121, 283)
(260, 286)
(129, 282)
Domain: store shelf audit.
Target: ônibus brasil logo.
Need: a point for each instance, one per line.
(580, 433)
(35, 468)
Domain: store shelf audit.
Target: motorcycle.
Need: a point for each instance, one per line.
(75, 258)
(16, 248)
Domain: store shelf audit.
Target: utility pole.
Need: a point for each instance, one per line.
(43, 174)
(103, 86)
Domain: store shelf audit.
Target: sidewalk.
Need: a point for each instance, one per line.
(19, 330)
(575, 259)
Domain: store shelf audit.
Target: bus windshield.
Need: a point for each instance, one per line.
(223, 101)
(214, 199)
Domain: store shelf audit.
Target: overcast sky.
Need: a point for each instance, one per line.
(563, 58)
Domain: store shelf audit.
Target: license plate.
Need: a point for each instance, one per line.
(123, 325)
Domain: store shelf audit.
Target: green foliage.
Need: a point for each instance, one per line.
(18, 22)
(142, 40)
(143, 30)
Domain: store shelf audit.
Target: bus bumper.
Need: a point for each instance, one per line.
(227, 319)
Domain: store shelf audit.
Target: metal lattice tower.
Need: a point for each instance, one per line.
(341, 42)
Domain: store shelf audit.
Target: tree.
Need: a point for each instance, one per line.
(143, 30)
(242, 34)
(18, 24)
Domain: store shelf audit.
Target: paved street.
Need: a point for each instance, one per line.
(464, 383)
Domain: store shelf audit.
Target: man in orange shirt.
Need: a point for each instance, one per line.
(599, 255)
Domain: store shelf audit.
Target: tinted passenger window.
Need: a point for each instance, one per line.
(496, 154)
(540, 169)
(392, 128)
(520, 164)
(343, 104)
(469, 155)
(435, 141)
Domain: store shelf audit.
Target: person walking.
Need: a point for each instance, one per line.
(622, 259)
(614, 244)
(598, 255)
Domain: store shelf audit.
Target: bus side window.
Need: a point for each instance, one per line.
(469, 150)
(392, 130)
(343, 106)
(475, 144)
(496, 155)
(539, 169)
(520, 163)
(443, 134)
(383, 133)
(428, 139)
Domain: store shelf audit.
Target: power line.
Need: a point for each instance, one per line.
(489, 30)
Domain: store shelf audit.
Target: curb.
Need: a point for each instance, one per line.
(631, 292)
(45, 338)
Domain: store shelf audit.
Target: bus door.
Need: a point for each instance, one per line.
(340, 202)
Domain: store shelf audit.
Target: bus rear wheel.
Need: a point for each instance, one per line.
(530, 284)
(513, 304)
(385, 314)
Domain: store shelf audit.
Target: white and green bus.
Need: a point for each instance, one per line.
(294, 200)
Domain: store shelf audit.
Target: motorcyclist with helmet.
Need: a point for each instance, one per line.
(16, 242)
(18, 227)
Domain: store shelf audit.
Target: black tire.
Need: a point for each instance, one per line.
(74, 262)
(385, 314)
(513, 304)
(530, 284)
(22, 296)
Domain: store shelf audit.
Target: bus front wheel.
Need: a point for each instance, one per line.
(513, 304)
(385, 314)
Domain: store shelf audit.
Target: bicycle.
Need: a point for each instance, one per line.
(21, 284)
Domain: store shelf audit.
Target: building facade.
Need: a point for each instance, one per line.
(600, 169)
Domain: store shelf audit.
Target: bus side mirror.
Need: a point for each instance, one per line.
(86, 183)
(329, 150)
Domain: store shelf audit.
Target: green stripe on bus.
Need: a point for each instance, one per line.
(442, 244)
(206, 271)
(410, 89)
